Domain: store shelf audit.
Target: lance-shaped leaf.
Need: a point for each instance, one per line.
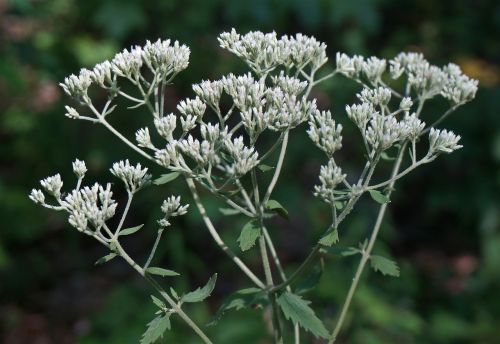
(296, 309)
(161, 272)
(131, 230)
(201, 294)
(106, 258)
(166, 178)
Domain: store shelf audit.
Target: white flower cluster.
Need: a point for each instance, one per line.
(330, 176)
(425, 79)
(87, 206)
(325, 133)
(134, 177)
(161, 57)
(443, 141)
(90, 206)
(264, 52)
(172, 207)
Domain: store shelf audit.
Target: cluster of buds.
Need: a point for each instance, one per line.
(134, 177)
(264, 52)
(161, 57)
(172, 207)
(330, 176)
(325, 133)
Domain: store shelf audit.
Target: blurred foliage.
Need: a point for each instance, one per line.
(443, 228)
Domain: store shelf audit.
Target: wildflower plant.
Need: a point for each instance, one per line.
(219, 149)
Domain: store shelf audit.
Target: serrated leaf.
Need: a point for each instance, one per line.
(249, 297)
(265, 168)
(249, 234)
(159, 303)
(277, 207)
(166, 178)
(296, 309)
(379, 197)
(106, 258)
(201, 294)
(330, 238)
(161, 272)
(384, 266)
(155, 329)
(229, 211)
(131, 230)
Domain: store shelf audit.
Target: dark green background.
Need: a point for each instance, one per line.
(443, 226)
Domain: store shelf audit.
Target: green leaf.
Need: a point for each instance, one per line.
(158, 302)
(296, 309)
(265, 168)
(155, 329)
(384, 266)
(330, 238)
(341, 251)
(201, 294)
(277, 207)
(106, 258)
(244, 298)
(379, 197)
(385, 156)
(249, 234)
(310, 281)
(174, 293)
(131, 230)
(161, 272)
(229, 211)
(166, 178)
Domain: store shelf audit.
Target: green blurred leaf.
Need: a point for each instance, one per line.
(166, 178)
(277, 207)
(161, 272)
(229, 211)
(249, 234)
(201, 294)
(379, 197)
(265, 168)
(384, 266)
(155, 329)
(106, 258)
(131, 230)
(330, 238)
(249, 297)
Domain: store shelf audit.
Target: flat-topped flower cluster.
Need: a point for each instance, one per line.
(213, 140)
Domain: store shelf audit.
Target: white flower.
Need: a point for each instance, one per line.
(134, 177)
(71, 112)
(102, 73)
(144, 139)
(166, 126)
(330, 176)
(128, 63)
(192, 107)
(164, 58)
(360, 114)
(324, 132)
(79, 168)
(244, 158)
(383, 132)
(406, 104)
(53, 185)
(289, 84)
(443, 141)
(373, 68)
(377, 96)
(209, 91)
(412, 126)
(37, 196)
(77, 86)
